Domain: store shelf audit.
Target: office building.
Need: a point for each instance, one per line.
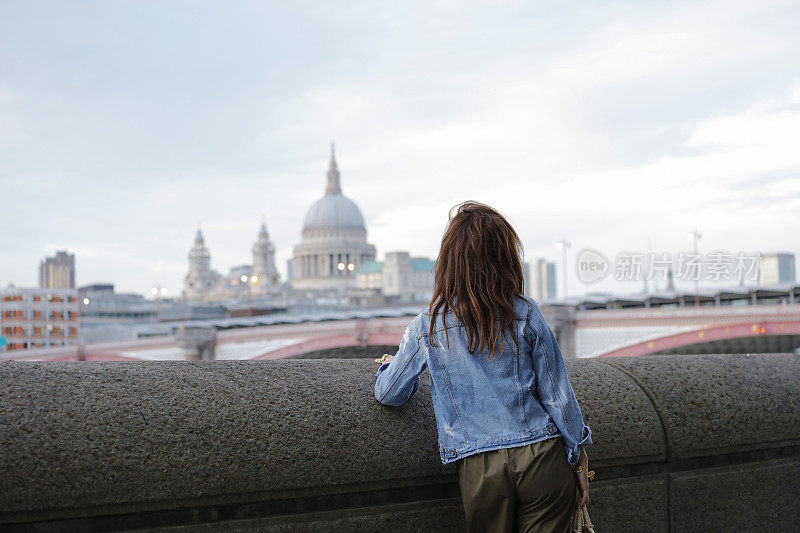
(775, 268)
(57, 272)
(543, 280)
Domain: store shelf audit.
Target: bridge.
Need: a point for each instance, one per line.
(275, 341)
(582, 333)
(724, 329)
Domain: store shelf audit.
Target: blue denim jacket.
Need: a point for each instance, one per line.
(485, 404)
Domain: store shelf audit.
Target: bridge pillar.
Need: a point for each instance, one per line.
(198, 343)
(562, 319)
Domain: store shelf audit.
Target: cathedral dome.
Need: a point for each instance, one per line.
(333, 234)
(334, 211)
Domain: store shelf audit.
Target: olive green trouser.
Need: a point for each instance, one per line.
(530, 488)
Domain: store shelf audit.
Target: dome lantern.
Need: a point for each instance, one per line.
(334, 187)
(334, 211)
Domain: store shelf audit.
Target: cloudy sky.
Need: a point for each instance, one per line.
(616, 125)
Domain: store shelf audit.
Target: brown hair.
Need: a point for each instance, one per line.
(478, 273)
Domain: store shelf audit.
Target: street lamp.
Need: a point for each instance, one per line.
(249, 281)
(81, 355)
(563, 245)
(158, 292)
(346, 268)
(695, 236)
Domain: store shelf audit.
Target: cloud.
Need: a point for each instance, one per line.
(610, 124)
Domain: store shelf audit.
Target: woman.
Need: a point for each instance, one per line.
(505, 411)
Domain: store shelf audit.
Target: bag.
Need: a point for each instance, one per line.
(581, 523)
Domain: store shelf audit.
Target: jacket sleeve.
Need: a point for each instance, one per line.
(398, 380)
(553, 388)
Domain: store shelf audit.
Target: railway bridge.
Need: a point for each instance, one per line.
(582, 333)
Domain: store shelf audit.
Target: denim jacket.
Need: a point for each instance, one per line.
(483, 404)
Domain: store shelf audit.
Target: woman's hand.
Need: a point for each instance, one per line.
(583, 480)
(386, 358)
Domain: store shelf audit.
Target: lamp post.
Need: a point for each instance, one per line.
(563, 245)
(158, 292)
(81, 355)
(250, 281)
(695, 236)
(346, 268)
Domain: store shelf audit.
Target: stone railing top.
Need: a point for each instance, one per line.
(128, 436)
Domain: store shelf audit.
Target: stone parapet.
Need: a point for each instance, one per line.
(682, 443)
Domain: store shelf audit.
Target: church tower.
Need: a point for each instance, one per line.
(264, 261)
(200, 280)
(199, 256)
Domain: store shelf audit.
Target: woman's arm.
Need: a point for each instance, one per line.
(583, 479)
(554, 389)
(398, 379)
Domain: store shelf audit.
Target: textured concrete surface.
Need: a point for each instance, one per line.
(303, 444)
(625, 426)
(182, 430)
(751, 497)
(439, 515)
(74, 434)
(631, 505)
(715, 404)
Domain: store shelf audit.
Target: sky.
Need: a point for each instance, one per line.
(619, 126)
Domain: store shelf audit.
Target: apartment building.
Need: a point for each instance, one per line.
(38, 318)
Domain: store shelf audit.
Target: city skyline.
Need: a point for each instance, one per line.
(614, 127)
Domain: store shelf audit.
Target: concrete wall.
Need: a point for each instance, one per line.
(683, 443)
